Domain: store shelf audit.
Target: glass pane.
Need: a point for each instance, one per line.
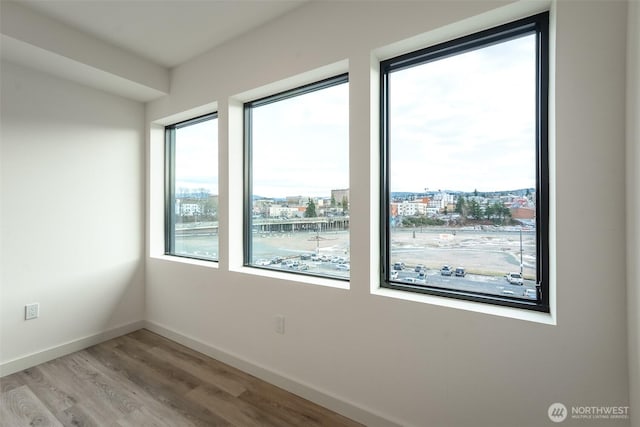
(463, 171)
(300, 183)
(196, 190)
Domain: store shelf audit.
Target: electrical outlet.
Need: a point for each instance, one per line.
(280, 324)
(31, 311)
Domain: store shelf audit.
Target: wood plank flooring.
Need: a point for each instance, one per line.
(142, 379)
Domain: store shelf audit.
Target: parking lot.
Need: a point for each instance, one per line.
(494, 285)
(324, 265)
(486, 256)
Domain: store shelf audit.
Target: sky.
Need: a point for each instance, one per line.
(463, 123)
(197, 156)
(301, 144)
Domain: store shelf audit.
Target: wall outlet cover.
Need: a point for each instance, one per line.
(31, 311)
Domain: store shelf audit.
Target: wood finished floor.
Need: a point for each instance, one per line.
(142, 379)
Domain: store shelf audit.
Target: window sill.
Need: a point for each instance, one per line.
(478, 307)
(189, 261)
(293, 277)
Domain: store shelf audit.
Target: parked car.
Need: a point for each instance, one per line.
(343, 267)
(460, 272)
(394, 275)
(530, 293)
(446, 270)
(398, 266)
(419, 268)
(514, 278)
(422, 275)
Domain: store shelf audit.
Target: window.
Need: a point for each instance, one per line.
(191, 217)
(465, 167)
(297, 180)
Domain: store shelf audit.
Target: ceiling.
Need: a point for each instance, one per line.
(166, 32)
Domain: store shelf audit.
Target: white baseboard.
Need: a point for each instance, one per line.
(341, 406)
(365, 416)
(33, 359)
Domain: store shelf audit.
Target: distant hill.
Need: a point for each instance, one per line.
(408, 195)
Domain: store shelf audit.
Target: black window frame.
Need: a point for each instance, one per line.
(169, 185)
(536, 24)
(248, 164)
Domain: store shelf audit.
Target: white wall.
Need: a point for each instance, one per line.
(410, 362)
(633, 204)
(72, 214)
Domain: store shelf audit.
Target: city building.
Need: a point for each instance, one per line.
(340, 195)
(276, 211)
(296, 200)
(412, 208)
(523, 213)
(188, 209)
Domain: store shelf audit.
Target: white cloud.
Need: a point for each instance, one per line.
(466, 122)
(300, 145)
(197, 156)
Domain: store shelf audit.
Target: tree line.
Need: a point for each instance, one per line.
(310, 211)
(496, 212)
